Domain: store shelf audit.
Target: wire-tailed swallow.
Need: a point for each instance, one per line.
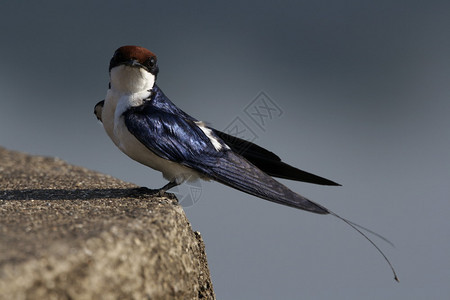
(150, 129)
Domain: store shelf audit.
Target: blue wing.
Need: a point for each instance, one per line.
(178, 138)
(167, 135)
(264, 159)
(162, 103)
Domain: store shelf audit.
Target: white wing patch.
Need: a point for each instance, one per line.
(208, 132)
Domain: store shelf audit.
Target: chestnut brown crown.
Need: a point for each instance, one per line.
(135, 56)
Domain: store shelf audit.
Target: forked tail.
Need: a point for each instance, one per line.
(357, 228)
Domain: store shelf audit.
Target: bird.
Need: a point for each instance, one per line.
(148, 127)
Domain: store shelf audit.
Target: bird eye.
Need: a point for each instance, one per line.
(151, 62)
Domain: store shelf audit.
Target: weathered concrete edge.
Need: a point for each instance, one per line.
(68, 273)
(72, 271)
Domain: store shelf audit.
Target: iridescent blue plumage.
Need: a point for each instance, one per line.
(264, 159)
(167, 131)
(173, 135)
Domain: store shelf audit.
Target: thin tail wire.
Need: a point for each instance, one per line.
(357, 228)
(372, 232)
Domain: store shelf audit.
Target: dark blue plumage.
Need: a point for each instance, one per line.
(265, 160)
(161, 102)
(173, 135)
(167, 131)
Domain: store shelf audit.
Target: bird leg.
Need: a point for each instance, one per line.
(168, 186)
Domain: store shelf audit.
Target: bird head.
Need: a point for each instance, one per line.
(133, 69)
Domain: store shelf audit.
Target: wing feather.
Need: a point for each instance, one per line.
(269, 162)
(183, 141)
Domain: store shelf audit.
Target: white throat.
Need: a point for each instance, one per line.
(131, 80)
(129, 87)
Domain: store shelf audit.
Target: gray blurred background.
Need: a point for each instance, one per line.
(363, 91)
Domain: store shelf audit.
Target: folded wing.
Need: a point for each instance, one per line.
(183, 141)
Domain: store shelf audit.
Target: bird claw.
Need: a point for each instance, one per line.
(142, 191)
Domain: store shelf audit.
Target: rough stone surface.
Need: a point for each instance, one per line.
(70, 233)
